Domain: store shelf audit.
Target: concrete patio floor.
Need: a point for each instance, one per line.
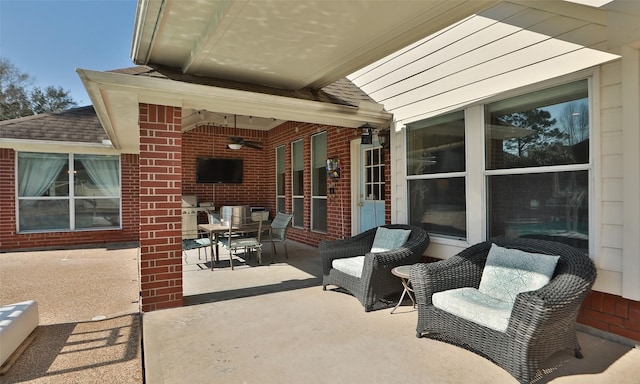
(268, 323)
(273, 323)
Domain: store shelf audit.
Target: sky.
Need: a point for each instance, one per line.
(49, 39)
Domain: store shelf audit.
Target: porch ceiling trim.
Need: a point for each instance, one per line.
(115, 97)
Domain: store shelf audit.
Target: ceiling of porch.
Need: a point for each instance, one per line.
(307, 45)
(284, 44)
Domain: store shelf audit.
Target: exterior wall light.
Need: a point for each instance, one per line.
(383, 138)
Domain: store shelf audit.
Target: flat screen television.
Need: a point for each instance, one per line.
(217, 170)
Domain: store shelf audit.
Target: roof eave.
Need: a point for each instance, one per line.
(57, 146)
(104, 89)
(148, 14)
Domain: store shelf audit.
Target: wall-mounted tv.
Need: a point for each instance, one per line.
(216, 170)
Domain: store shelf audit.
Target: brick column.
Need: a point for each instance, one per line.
(160, 203)
(7, 197)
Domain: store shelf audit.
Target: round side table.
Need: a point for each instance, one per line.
(404, 273)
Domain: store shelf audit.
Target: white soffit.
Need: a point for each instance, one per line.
(505, 47)
(115, 97)
(284, 44)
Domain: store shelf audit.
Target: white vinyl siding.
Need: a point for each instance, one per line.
(480, 56)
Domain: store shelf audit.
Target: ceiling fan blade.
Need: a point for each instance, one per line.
(253, 145)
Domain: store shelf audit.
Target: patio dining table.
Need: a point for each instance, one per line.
(214, 230)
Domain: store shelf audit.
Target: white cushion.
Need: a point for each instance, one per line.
(349, 265)
(471, 304)
(387, 239)
(508, 272)
(205, 242)
(17, 321)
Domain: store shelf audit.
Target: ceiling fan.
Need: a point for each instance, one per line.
(237, 142)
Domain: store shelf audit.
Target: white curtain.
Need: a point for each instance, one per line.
(103, 171)
(37, 171)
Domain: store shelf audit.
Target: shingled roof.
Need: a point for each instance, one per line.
(341, 92)
(80, 125)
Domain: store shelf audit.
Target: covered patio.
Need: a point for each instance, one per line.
(255, 324)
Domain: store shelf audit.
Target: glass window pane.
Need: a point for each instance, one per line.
(96, 175)
(44, 214)
(297, 154)
(439, 206)
(297, 185)
(298, 212)
(374, 174)
(280, 171)
(297, 169)
(281, 205)
(319, 207)
(319, 169)
(43, 174)
(320, 181)
(92, 213)
(436, 145)
(280, 159)
(280, 184)
(319, 150)
(550, 206)
(549, 127)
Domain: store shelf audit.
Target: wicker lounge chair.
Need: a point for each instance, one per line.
(376, 281)
(542, 321)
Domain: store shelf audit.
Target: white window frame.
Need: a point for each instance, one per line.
(71, 198)
(314, 198)
(476, 174)
(282, 196)
(297, 215)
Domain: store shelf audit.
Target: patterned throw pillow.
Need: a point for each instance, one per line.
(511, 271)
(387, 239)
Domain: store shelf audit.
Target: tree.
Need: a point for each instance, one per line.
(19, 98)
(575, 121)
(50, 99)
(544, 145)
(543, 134)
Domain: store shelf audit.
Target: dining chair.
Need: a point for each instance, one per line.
(243, 233)
(192, 238)
(278, 232)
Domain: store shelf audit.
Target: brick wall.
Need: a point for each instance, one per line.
(258, 167)
(10, 240)
(7, 199)
(258, 186)
(160, 203)
(611, 313)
